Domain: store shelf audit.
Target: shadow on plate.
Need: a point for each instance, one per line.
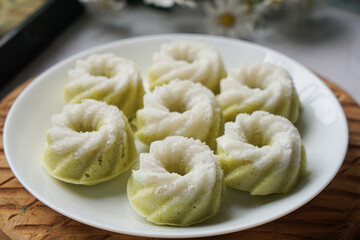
(235, 200)
(116, 186)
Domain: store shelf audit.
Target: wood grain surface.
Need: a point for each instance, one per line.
(333, 214)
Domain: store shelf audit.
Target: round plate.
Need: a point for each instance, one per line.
(322, 125)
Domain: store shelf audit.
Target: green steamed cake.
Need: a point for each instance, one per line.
(258, 86)
(179, 108)
(89, 143)
(261, 153)
(108, 78)
(187, 60)
(179, 182)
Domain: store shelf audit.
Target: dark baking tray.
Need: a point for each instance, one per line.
(21, 44)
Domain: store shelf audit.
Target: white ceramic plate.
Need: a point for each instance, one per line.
(322, 125)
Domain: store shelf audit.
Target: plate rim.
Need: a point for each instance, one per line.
(172, 36)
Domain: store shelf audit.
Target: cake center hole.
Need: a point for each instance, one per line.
(179, 107)
(103, 72)
(81, 128)
(177, 167)
(255, 83)
(184, 57)
(258, 139)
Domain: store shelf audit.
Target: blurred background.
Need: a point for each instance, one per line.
(323, 35)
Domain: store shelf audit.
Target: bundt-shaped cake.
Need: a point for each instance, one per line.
(107, 78)
(185, 59)
(258, 86)
(181, 108)
(261, 153)
(179, 182)
(89, 143)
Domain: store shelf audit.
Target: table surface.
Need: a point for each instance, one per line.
(327, 43)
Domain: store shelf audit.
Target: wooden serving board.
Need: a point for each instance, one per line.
(333, 214)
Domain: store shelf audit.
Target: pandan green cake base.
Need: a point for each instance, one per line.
(242, 175)
(168, 210)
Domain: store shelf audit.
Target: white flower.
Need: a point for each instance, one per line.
(170, 3)
(229, 17)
